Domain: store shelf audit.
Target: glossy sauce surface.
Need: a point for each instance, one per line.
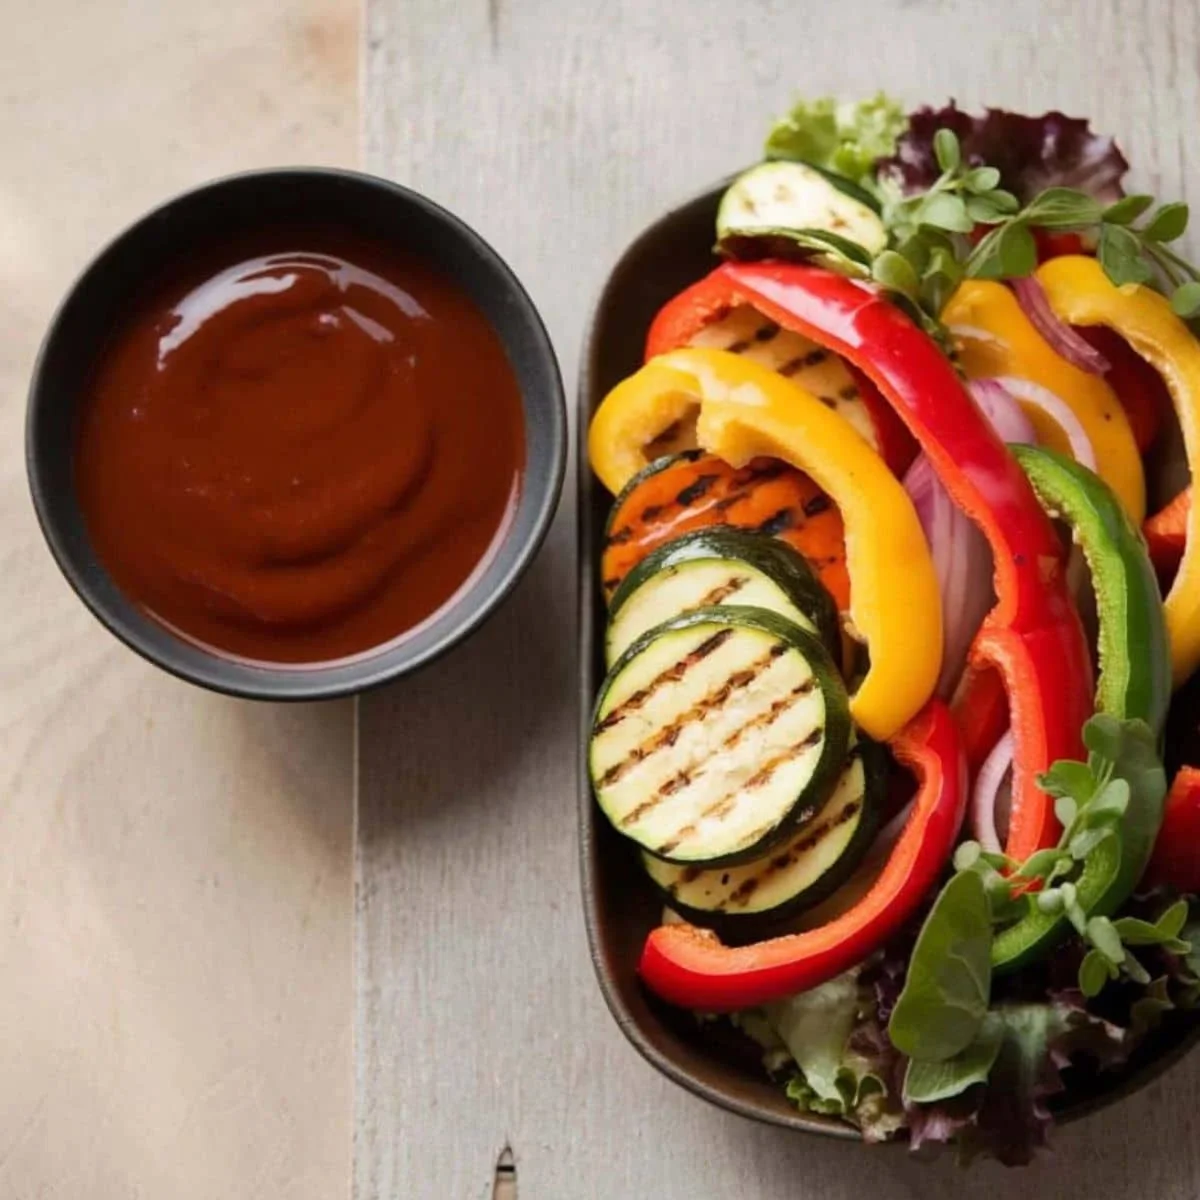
(299, 451)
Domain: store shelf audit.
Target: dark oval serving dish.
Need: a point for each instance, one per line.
(620, 905)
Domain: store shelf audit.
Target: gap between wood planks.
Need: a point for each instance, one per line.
(505, 1186)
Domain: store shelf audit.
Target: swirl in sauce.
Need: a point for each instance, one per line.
(301, 454)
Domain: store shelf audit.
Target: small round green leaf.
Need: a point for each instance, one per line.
(983, 179)
(946, 993)
(1127, 209)
(981, 210)
(1006, 202)
(1103, 935)
(1168, 223)
(943, 210)
(1185, 302)
(947, 149)
(1093, 973)
(894, 271)
(1018, 251)
(1120, 254)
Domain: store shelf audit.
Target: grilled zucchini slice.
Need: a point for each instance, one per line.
(777, 196)
(717, 567)
(795, 875)
(717, 734)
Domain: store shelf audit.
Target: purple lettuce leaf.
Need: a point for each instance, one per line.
(1031, 153)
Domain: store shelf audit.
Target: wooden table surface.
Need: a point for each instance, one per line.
(559, 128)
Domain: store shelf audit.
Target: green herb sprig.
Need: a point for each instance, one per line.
(929, 253)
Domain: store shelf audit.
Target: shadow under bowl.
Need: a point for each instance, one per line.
(234, 208)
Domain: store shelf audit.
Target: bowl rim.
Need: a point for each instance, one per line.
(1071, 1107)
(300, 682)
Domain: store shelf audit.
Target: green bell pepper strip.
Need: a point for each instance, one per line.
(1134, 680)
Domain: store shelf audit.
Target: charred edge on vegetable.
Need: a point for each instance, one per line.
(669, 734)
(721, 808)
(810, 358)
(700, 486)
(671, 675)
(802, 845)
(764, 474)
(720, 593)
(785, 518)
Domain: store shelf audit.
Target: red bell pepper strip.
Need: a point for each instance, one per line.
(1176, 858)
(1138, 386)
(1166, 534)
(693, 968)
(1033, 637)
(1053, 245)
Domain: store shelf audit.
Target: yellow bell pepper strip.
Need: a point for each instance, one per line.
(633, 416)
(1081, 294)
(997, 340)
(748, 411)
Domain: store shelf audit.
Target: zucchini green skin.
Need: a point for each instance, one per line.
(837, 722)
(739, 923)
(782, 565)
(1134, 681)
(847, 186)
(782, 195)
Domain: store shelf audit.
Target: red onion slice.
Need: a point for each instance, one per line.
(1057, 409)
(962, 560)
(1003, 410)
(984, 796)
(1063, 340)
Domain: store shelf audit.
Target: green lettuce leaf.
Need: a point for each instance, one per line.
(845, 138)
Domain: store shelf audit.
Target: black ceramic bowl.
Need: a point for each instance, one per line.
(232, 207)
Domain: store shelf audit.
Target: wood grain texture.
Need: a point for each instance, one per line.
(175, 892)
(559, 128)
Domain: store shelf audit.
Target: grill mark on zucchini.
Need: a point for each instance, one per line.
(619, 537)
(669, 734)
(722, 807)
(764, 333)
(672, 674)
(848, 393)
(771, 715)
(817, 505)
(745, 890)
(719, 594)
(807, 360)
(686, 775)
(738, 347)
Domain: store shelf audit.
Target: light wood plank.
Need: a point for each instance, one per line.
(175, 891)
(559, 129)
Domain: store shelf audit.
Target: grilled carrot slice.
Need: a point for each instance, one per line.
(695, 490)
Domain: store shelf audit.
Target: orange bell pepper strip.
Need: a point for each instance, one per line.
(1166, 534)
